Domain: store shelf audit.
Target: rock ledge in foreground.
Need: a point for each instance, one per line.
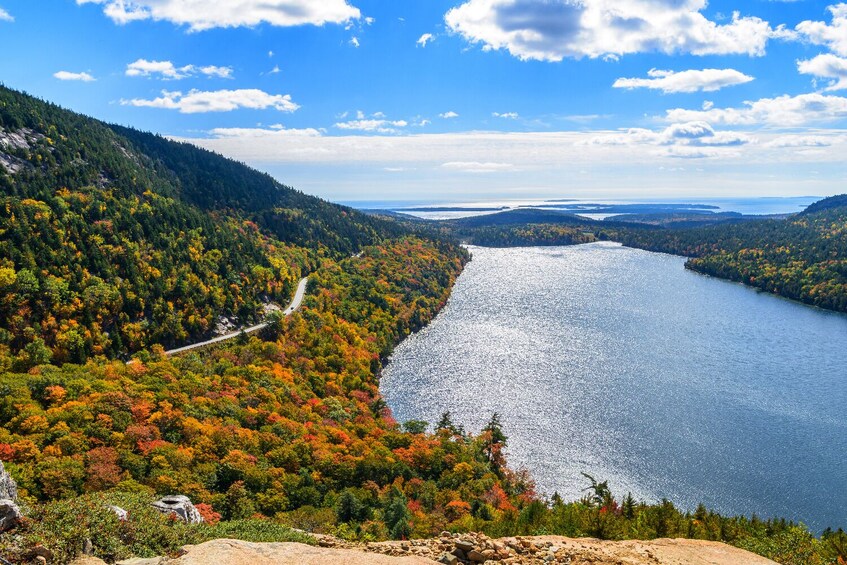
(519, 551)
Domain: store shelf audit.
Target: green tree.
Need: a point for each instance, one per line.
(494, 440)
(396, 515)
(37, 353)
(349, 508)
(415, 426)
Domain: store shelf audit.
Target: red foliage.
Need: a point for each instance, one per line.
(208, 513)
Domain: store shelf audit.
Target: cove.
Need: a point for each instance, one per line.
(622, 364)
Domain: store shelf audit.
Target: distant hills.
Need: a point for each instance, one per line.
(800, 256)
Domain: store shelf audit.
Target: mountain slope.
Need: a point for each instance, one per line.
(213, 183)
(112, 240)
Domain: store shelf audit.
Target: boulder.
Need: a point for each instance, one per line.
(8, 486)
(180, 506)
(119, 512)
(448, 559)
(10, 515)
(465, 545)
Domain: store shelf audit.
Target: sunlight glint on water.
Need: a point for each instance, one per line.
(622, 364)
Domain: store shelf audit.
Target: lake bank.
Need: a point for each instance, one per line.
(621, 363)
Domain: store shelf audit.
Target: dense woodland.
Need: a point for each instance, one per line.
(113, 240)
(803, 257)
(116, 242)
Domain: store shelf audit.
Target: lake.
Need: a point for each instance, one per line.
(622, 364)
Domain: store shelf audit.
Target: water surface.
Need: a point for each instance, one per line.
(622, 364)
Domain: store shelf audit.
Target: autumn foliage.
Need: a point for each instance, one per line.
(270, 427)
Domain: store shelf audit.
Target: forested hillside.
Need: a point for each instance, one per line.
(803, 257)
(112, 240)
(289, 424)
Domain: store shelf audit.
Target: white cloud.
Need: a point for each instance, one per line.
(344, 165)
(448, 115)
(477, 167)
(372, 125)
(5, 16)
(784, 111)
(833, 36)
(354, 41)
(805, 141)
(273, 131)
(197, 101)
(681, 137)
(65, 75)
(706, 80)
(214, 71)
(168, 71)
(274, 71)
(550, 30)
(424, 39)
(201, 15)
(827, 66)
(506, 115)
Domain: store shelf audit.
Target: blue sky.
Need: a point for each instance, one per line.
(463, 99)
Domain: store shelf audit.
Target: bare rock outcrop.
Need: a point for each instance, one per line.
(180, 506)
(455, 549)
(464, 549)
(10, 515)
(8, 486)
(122, 514)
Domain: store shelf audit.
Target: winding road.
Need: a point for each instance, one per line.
(295, 304)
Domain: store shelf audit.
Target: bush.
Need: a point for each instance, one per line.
(62, 526)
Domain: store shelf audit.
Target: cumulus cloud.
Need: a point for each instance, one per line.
(506, 115)
(784, 111)
(201, 15)
(5, 16)
(550, 30)
(66, 75)
(827, 66)
(682, 136)
(197, 101)
(706, 80)
(424, 39)
(377, 125)
(833, 35)
(168, 71)
(448, 115)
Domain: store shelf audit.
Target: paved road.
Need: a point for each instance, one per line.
(295, 304)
